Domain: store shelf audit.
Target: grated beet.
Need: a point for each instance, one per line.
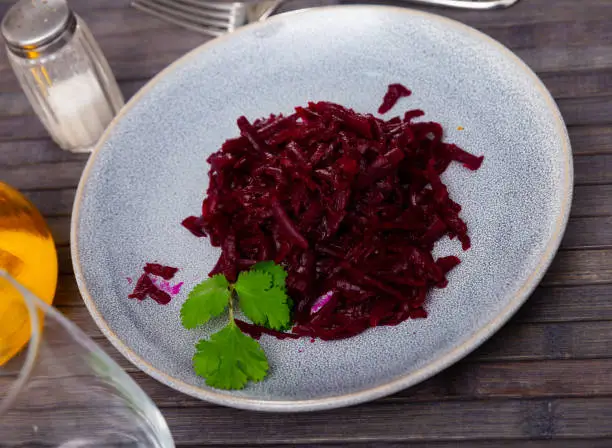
(257, 331)
(142, 288)
(165, 272)
(145, 286)
(394, 93)
(350, 204)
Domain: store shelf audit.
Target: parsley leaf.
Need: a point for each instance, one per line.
(261, 301)
(279, 275)
(230, 359)
(206, 300)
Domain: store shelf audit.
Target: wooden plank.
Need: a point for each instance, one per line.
(67, 293)
(592, 200)
(21, 127)
(15, 103)
(52, 202)
(60, 229)
(578, 83)
(377, 422)
(535, 12)
(546, 443)
(591, 140)
(24, 152)
(80, 6)
(514, 342)
(563, 340)
(589, 232)
(542, 60)
(566, 304)
(64, 260)
(593, 418)
(576, 33)
(592, 170)
(586, 111)
(124, 21)
(580, 267)
(44, 175)
(538, 11)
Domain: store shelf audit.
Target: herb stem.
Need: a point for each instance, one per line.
(231, 302)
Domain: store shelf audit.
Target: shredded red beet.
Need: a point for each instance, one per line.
(142, 288)
(145, 286)
(165, 272)
(394, 93)
(257, 331)
(350, 204)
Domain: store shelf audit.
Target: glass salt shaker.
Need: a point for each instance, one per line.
(62, 71)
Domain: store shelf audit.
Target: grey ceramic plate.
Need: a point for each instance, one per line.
(149, 172)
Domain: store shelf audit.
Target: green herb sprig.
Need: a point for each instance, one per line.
(230, 358)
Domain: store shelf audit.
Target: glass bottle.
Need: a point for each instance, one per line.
(62, 71)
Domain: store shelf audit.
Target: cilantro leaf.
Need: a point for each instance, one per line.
(279, 275)
(230, 359)
(206, 300)
(261, 301)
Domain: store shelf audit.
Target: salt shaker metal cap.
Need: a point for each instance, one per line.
(62, 71)
(32, 26)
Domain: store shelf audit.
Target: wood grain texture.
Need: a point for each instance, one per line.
(52, 202)
(546, 443)
(580, 267)
(435, 421)
(545, 380)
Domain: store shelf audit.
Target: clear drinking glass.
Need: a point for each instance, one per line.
(62, 390)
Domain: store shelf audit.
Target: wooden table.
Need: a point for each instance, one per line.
(544, 380)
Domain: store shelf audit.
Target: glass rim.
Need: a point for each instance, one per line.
(31, 302)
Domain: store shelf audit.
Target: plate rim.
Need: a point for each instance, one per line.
(402, 382)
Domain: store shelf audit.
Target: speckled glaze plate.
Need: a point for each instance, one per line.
(149, 172)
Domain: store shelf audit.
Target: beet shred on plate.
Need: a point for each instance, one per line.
(350, 204)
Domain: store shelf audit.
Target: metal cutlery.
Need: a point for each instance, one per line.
(217, 18)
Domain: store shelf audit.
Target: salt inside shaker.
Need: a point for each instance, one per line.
(62, 71)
